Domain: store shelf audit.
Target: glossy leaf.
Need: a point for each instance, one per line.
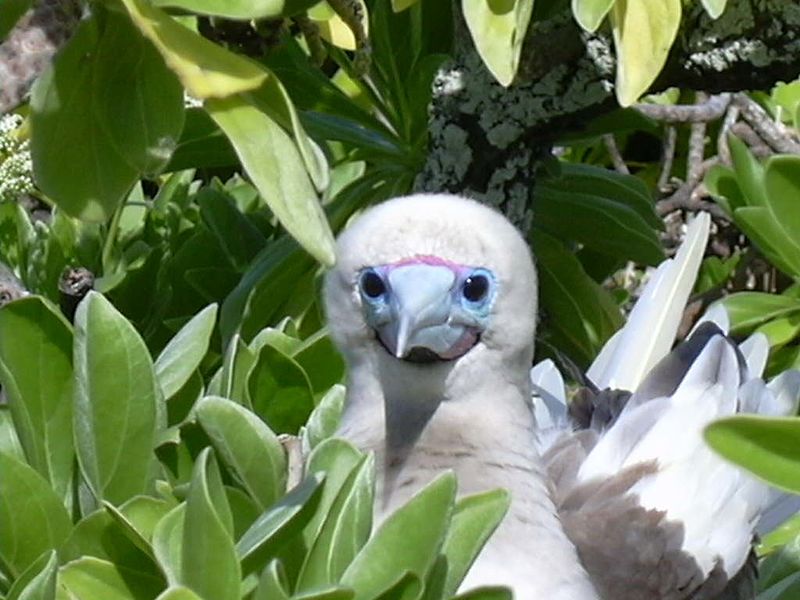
(333, 29)
(644, 31)
(184, 352)
(209, 565)
(36, 372)
(273, 161)
(749, 309)
(241, 9)
(590, 13)
(249, 449)
(88, 578)
(408, 540)
(765, 230)
(65, 114)
(764, 446)
(498, 29)
(32, 517)
(205, 69)
(474, 519)
(115, 402)
(38, 582)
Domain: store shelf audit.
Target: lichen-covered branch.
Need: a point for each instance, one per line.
(486, 140)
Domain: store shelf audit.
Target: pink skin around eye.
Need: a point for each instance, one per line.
(461, 271)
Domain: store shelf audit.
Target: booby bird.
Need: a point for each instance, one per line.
(433, 304)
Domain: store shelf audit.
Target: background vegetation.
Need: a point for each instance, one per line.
(190, 161)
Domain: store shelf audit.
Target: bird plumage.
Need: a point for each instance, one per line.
(633, 506)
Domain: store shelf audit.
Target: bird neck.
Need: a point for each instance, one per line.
(420, 422)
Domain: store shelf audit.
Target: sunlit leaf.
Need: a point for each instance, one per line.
(714, 8)
(89, 577)
(182, 355)
(590, 13)
(764, 446)
(209, 564)
(115, 402)
(408, 540)
(32, 518)
(38, 581)
(498, 29)
(249, 449)
(206, 69)
(644, 31)
(241, 9)
(36, 372)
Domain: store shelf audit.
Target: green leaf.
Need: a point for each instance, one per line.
(321, 361)
(765, 230)
(237, 236)
(644, 31)
(241, 9)
(205, 69)
(590, 13)
(115, 402)
(764, 446)
(280, 391)
(599, 223)
(178, 592)
(272, 584)
(714, 8)
(747, 310)
(487, 593)
(409, 540)
(65, 105)
(344, 531)
(781, 563)
(337, 459)
(139, 100)
(408, 587)
(184, 352)
(10, 13)
(581, 314)
(32, 518)
(36, 373)
(265, 536)
(38, 582)
(89, 578)
(474, 519)
(782, 535)
(209, 565)
(325, 418)
(168, 543)
(9, 442)
(273, 161)
(749, 172)
(498, 29)
(721, 183)
(247, 446)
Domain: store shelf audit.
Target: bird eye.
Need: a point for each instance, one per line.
(372, 285)
(475, 287)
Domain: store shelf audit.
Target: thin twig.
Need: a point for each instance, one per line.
(667, 157)
(723, 151)
(616, 157)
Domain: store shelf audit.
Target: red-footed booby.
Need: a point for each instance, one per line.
(433, 304)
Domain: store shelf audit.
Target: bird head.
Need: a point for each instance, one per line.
(432, 280)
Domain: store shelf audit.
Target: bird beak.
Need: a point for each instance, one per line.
(421, 301)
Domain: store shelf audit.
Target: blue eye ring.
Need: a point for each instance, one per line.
(371, 284)
(477, 286)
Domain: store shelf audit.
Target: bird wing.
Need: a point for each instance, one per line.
(651, 509)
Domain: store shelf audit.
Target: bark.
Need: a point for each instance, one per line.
(487, 141)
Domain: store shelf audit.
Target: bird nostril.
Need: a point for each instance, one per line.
(372, 285)
(475, 288)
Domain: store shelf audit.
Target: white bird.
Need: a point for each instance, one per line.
(433, 304)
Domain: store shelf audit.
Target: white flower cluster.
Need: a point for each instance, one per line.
(16, 167)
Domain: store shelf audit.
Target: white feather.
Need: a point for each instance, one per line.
(755, 350)
(650, 331)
